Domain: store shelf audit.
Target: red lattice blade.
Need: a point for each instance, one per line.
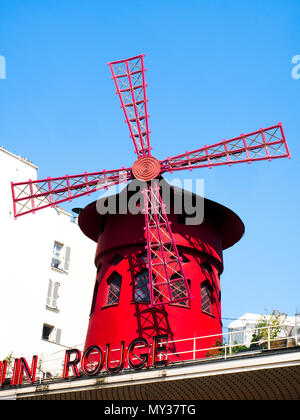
(167, 281)
(30, 196)
(129, 78)
(264, 144)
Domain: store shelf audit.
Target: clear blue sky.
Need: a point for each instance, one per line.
(215, 69)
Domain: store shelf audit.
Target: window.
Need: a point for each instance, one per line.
(51, 334)
(206, 298)
(52, 294)
(47, 329)
(114, 289)
(141, 287)
(186, 303)
(178, 288)
(57, 255)
(61, 257)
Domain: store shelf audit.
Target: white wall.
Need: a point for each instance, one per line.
(244, 327)
(26, 247)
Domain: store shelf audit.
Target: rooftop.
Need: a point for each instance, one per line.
(21, 158)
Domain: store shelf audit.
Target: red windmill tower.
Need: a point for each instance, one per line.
(150, 265)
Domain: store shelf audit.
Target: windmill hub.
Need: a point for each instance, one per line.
(146, 168)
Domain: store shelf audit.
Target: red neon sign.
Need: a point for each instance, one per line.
(139, 354)
(20, 367)
(147, 357)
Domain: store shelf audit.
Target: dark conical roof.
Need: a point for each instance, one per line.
(229, 224)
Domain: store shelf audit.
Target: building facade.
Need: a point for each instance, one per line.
(47, 275)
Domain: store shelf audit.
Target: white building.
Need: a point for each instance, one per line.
(47, 274)
(243, 328)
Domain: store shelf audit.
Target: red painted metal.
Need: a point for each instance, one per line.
(146, 168)
(129, 78)
(199, 247)
(264, 144)
(31, 196)
(168, 283)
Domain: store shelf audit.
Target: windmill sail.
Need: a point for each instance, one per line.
(30, 196)
(264, 144)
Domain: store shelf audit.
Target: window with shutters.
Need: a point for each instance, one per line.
(141, 287)
(52, 295)
(113, 289)
(57, 256)
(61, 257)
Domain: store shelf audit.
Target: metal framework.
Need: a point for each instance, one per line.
(264, 144)
(129, 78)
(30, 196)
(168, 283)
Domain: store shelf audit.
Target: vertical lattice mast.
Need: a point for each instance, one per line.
(167, 281)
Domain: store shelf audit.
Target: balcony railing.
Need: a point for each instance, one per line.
(195, 349)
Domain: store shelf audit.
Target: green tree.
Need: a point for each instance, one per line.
(10, 361)
(268, 327)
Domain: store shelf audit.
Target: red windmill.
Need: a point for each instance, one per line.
(168, 283)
